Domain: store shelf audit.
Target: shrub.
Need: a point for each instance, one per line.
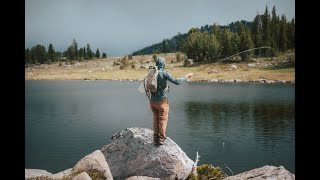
(186, 62)
(95, 174)
(154, 57)
(124, 63)
(207, 171)
(179, 57)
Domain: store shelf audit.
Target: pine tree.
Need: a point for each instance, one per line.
(164, 46)
(33, 55)
(97, 53)
(217, 32)
(257, 34)
(235, 43)
(246, 42)
(85, 55)
(89, 52)
(283, 34)
(291, 34)
(27, 56)
(81, 54)
(274, 29)
(214, 47)
(104, 55)
(226, 43)
(75, 49)
(51, 53)
(266, 37)
(40, 54)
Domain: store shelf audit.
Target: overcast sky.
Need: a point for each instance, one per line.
(119, 27)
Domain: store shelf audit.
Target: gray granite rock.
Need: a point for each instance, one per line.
(94, 161)
(133, 153)
(34, 173)
(263, 173)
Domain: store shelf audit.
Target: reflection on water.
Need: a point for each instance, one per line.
(245, 133)
(241, 125)
(267, 119)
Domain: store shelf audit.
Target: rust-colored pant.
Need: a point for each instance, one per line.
(160, 117)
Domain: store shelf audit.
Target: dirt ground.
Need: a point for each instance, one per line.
(280, 69)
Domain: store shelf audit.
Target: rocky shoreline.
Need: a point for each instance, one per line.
(211, 80)
(132, 155)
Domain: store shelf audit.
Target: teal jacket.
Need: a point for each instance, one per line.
(162, 79)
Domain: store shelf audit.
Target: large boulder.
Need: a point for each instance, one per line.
(94, 162)
(265, 172)
(133, 153)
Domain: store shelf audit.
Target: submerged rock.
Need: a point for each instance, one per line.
(133, 153)
(265, 172)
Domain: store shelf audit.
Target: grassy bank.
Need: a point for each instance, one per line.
(279, 69)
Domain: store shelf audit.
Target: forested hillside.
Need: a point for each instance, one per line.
(213, 42)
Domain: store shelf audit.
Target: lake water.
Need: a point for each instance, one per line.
(239, 125)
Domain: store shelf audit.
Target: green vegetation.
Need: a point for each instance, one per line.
(214, 42)
(38, 55)
(206, 172)
(97, 54)
(96, 175)
(124, 63)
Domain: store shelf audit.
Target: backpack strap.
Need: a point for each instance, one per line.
(148, 93)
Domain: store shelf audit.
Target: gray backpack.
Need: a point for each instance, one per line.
(150, 81)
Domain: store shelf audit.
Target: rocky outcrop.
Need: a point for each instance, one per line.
(34, 173)
(265, 172)
(133, 153)
(93, 164)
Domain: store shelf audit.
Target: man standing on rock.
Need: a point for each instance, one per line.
(159, 102)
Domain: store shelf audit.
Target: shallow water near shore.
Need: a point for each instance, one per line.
(239, 125)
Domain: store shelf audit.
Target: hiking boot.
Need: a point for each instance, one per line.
(155, 138)
(161, 141)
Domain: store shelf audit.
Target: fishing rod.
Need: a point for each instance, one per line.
(263, 47)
